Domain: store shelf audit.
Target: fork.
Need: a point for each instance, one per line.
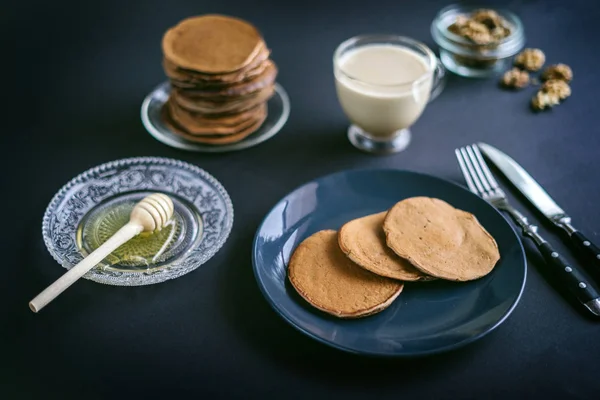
(480, 181)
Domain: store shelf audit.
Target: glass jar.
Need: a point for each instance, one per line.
(465, 58)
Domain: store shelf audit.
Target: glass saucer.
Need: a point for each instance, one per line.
(278, 107)
(203, 218)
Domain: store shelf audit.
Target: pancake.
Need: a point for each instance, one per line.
(220, 139)
(210, 107)
(194, 82)
(212, 44)
(200, 128)
(213, 139)
(440, 240)
(194, 78)
(329, 281)
(363, 241)
(266, 78)
(187, 118)
(219, 105)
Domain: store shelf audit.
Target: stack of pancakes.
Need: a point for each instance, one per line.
(361, 269)
(221, 78)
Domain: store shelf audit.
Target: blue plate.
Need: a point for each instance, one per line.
(427, 317)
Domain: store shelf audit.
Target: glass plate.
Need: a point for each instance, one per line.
(203, 211)
(278, 107)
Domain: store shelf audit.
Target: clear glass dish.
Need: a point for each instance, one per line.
(468, 59)
(203, 217)
(278, 107)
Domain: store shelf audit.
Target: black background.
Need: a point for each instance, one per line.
(76, 74)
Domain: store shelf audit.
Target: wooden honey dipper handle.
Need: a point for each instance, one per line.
(68, 278)
(152, 213)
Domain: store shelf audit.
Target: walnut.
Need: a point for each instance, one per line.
(490, 18)
(558, 87)
(477, 32)
(500, 32)
(558, 71)
(543, 100)
(515, 78)
(459, 24)
(530, 59)
(483, 27)
(550, 94)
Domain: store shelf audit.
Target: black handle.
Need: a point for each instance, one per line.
(574, 279)
(587, 247)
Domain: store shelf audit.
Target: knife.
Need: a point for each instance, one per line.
(541, 200)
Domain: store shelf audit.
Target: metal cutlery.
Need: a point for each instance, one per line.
(481, 182)
(541, 200)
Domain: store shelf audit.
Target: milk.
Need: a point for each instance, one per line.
(383, 87)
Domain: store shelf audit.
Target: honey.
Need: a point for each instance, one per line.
(144, 251)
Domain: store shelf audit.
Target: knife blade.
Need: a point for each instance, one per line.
(541, 200)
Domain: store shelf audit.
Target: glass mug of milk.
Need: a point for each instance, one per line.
(383, 83)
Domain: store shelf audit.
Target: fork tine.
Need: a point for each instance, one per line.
(485, 168)
(478, 169)
(465, 171)
(471, 170)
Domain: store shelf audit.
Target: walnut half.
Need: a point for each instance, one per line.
(515, 78)
(560, 88)
(530, 59)
(558, 71)
(543, 100)
(550, 94)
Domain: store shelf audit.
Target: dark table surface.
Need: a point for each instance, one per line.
(80, 71)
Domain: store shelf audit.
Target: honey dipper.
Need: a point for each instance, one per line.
(150, 214)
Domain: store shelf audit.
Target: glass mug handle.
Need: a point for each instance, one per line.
(439, 81)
